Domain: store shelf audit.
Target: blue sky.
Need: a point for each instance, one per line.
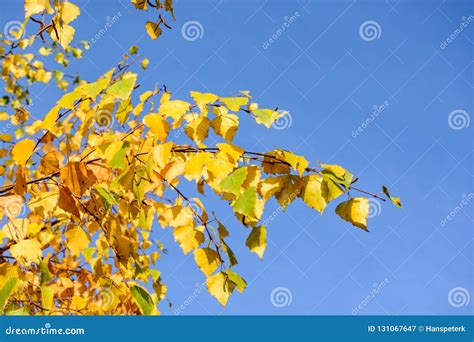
(329, 73)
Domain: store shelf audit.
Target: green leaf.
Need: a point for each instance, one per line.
(123, 111)
(133, 50)
(119, 160)
(395, 200)
(338, 174)
(240, 283)
(47, 297)
(7, 291)
(230, 253)
(257, 240)
(46, 275)
(246, 203)
(18, 312)
(123, 88)
(108, 196)
(233, 182)
(143, 298)
(89, 89)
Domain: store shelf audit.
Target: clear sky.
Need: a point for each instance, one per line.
(329, 66)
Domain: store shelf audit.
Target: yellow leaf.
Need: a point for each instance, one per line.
(144, 63)
(22, 151)
(5, 137)
(257, 240)
(298, 163)
(26, 251)
(161, 153)
(36, 6)
(139, 4)
(165, 97)
(265, 117)
(188, 237)
(49, 163)
(355, 211)
(174, 109)
(270, 186)
(234, 152)
(226, 126)
(45, 51)
(290, 191)
(77, 178)
(158, 125)
(100, 171)
(198, 129)
(318, 191)
(68, 11)
(217, 169)
(195, 165)
(207, 260)
(220, 287)
(65, 32)
(395, 200)
(76, 240)
(153, 30)
(50, 118)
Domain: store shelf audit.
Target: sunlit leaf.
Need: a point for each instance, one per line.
(355, 211)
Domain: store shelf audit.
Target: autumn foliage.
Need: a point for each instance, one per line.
(80, 197)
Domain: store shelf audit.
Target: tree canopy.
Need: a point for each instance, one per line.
(81, 197)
